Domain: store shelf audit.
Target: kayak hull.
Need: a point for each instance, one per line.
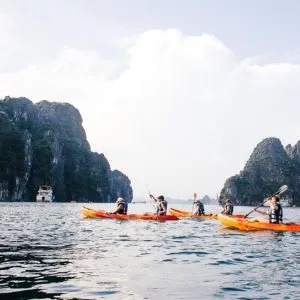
(185, 214)
(248, 225)
(101, 214)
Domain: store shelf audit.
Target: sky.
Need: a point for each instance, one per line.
(176, 94)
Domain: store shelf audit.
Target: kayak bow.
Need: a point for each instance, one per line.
(185, 214)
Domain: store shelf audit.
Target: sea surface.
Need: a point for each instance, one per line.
(49, 251)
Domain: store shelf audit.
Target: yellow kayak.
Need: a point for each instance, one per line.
(248, 224)
(186, 214)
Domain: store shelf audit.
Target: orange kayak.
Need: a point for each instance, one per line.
(247, 224)
(186, 214)
(91, 213)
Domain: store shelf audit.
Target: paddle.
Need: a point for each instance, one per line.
(219, 202)
(195, 197)
(155, 201)
(280, 191)
(154, 204)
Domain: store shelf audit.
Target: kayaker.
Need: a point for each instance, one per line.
(161, 205)
(122, 207)
(199, 208)
(228, 208)
(275, 210)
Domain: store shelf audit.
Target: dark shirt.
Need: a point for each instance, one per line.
(120, 209)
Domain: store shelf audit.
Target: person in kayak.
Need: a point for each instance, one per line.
(122, 207)
(199, 208)
(161, 205)
(228, 208)
(274, 212)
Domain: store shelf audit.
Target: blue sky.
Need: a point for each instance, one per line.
(176, 94)
(249, 28)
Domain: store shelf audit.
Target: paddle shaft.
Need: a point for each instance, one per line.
(281, 190)
(257, 207)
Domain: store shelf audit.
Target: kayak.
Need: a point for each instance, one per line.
(91, 213)
(248, 224)
(186, 214)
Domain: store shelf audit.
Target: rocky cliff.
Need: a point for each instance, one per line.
(269, 167)
(45, 143)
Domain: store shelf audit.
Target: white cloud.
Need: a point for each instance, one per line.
(6, 31)
(180, 115)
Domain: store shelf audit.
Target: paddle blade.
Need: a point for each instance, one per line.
(195, 197)
(283, 189)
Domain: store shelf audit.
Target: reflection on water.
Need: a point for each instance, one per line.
(25, 266)
(48, 251)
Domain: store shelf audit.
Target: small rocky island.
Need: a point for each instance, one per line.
(269, 167)
(45, 143)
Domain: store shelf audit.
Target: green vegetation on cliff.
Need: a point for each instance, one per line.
(45, 143)
(269, 167)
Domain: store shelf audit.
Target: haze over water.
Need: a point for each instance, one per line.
(48, 251)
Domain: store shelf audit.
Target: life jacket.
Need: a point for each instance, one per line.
(122, 207)
(275, 216)
(228, 211)
(160, 209)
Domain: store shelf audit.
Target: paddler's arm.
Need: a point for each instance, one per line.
(119, 209)
(151, 196)
(261, 211)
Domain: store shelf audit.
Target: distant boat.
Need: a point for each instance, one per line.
(286, 202)
(44, 194)
(134, 202)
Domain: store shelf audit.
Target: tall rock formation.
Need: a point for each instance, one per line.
(269, 167)
(45, 143)
(119, 185)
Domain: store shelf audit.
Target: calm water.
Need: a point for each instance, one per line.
(48, 251)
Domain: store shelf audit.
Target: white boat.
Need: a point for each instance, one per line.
(286, 202)
(44, 194)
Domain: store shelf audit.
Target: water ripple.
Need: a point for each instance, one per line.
(51, 252)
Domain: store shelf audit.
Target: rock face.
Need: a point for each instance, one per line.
(45, 143)
(269, 167)
(119, 186)
(207, 200)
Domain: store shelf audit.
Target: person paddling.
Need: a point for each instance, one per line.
(121, 207)
(274, 212)
(161, 205)
(228, 208)
(199, 208)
